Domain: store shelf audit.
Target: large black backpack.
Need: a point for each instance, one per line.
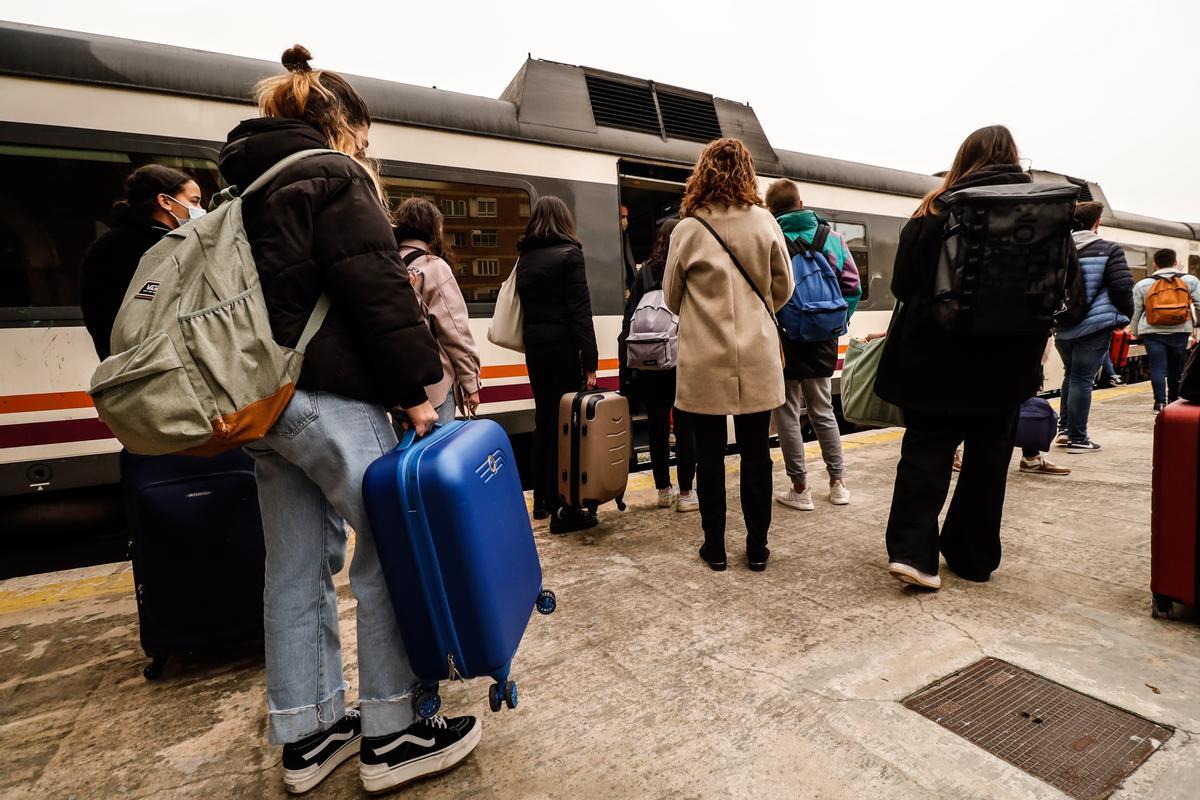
(1005, 258)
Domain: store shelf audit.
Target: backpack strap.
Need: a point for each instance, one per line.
(414, 254)
(282, 164)
(821, 236)
(315, 320)
(741, 269)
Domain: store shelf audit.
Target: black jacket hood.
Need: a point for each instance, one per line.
(527, 244)
(255, 145)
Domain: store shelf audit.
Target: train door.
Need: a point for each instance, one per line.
(650, 193)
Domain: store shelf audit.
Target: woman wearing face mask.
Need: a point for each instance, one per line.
(157, 200)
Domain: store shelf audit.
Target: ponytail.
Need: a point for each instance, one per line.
(324, 100)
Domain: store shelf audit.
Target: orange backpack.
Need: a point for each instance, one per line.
(1168, 302)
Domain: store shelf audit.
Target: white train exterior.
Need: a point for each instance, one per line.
(79, 111)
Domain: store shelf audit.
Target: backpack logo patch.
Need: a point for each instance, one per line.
(148, 291)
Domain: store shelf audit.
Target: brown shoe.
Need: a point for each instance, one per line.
(1039, 465)
(957, 466)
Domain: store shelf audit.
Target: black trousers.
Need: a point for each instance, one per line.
(970, 537)
(657, 393)
(554, 370)
(753, 437)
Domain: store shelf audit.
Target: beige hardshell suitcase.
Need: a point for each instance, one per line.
(594, 445)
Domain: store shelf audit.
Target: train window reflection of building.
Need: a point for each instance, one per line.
(43, 236)
(483, 207)
(1138, 259)
(480, 238)
(1194, 265)
(855, 236)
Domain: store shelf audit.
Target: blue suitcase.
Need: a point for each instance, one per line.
(457, 549)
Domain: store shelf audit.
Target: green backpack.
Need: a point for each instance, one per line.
(195, 368)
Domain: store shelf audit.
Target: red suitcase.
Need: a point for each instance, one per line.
(1118, 351)
(1174, 522)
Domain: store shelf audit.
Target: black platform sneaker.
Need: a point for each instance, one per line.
(308, 761)
(424, 748)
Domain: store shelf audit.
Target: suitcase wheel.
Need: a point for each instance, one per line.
(502, 694)
(494, 700)
(1162, 607)
(154, 669)
(510, 694)
(427, 703)
(546, 602)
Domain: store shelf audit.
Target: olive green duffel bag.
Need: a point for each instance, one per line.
(860, 404)
(195, 368)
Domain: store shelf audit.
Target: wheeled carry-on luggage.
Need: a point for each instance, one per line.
(457, 549)
(1118, 350)
(196, 543)
(1037, 425)
(594, 445)
(1174, 523)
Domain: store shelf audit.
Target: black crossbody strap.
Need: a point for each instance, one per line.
(412, 255)
(741, 269)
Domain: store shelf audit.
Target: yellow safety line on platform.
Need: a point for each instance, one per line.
(13, 600)
(121, 582)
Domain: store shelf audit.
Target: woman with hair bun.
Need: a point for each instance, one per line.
(320, 227)
(727, 274)
(157, 200)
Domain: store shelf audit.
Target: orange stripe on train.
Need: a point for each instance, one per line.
(49, 401)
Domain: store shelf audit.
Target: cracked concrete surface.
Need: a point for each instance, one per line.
(658, 678)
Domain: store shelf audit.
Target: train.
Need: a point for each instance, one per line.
(81, 111)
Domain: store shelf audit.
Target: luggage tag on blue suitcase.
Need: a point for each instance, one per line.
(455, 541)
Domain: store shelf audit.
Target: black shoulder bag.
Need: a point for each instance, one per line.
(780, 332)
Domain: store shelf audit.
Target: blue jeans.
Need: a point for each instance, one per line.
(1081, 359)
(1167, 352)
(310, 469)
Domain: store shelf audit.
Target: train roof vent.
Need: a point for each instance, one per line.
(1085, 190)
(617, 104)
(689, 117)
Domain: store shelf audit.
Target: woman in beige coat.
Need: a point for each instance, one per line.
(729, 350)
(419, 236)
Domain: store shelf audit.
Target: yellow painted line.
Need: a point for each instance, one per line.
(121, 583)
(13, 600)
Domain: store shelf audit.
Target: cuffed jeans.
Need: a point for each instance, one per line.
(1167, 352)
(310, 470)
(815, 394)
(1081, 359)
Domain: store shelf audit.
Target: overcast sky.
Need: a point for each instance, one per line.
(1102, 90)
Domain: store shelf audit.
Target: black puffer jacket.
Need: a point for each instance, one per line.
(552, 285)
(318, 227)
(105, 272)
(925, 368)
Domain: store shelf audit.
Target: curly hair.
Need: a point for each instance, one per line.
(723, 175)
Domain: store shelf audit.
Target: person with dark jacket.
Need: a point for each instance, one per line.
(1108, 288)
(952, 388)
(158, 199)
(560, 343)
(320, 227)
(656, 390)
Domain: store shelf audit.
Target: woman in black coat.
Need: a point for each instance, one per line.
(157, 200)
(560, 342)
(952, 388)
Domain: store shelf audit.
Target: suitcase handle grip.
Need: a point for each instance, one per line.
(410, 436)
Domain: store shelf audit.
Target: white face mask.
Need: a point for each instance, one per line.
(193, 213)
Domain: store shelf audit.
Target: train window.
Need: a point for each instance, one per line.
(855, 235)
(482, 257)
(1138, 259)
(54, 202)
(1194, 265)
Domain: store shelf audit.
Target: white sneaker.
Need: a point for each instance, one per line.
(798, 500)
(839, 495)
(688, 501)
(913, 576)
(666, 497)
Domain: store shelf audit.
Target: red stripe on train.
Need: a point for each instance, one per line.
(523, 391)
(67, 430)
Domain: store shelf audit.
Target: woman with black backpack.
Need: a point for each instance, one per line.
(953, 387)
(655, 386)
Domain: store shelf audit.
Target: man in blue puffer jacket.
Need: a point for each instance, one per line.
(1108, 283)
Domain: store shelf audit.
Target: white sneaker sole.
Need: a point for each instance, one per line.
(302, 780)
(796, 504)
(666, 502)
(841, 501)
(908, 575)
(381, 778)
(684, 508)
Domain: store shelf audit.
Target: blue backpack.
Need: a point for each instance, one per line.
(816, 311)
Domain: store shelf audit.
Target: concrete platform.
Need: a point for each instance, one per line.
(660, 679)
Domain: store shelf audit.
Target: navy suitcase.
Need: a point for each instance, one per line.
(1036, 426)
(197, 548)
(457, 549)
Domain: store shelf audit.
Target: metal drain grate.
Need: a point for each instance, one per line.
(1076, 743)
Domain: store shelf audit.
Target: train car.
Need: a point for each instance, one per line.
(80, 111)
